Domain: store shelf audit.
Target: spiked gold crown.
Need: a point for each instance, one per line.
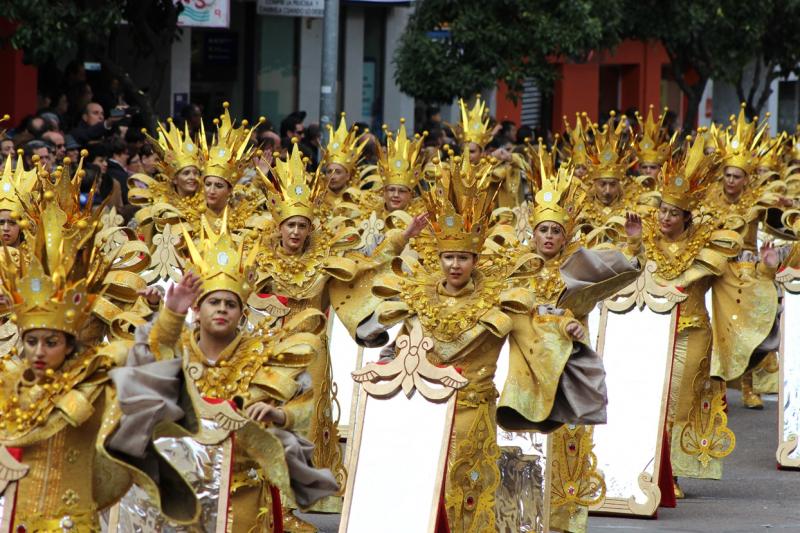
(474, 125)
(221, 264)
(343, 147)
(230, 151)
(176, 149)
(652, 144)
(293, 191)
(612, 155)
(398, 164)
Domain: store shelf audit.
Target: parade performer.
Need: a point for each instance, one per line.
(387, 199)
(694, 256)
(468, 306)
(174, 194)
(611, 192)
(575, 279)
(259, 370)
(65, 407)
(302, 260)
(474, 134)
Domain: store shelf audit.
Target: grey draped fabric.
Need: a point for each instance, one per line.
(148, 392)
(308, 483)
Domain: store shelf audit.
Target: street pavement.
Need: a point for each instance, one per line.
(752, 496)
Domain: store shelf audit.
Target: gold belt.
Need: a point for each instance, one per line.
(86, 522)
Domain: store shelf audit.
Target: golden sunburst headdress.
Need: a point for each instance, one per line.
(292, 190)
(612, 155)
(573, 145)
(221, 264)
(16, 185)
(399, 163)
(474, 127)
(739, 141)
(344, 147)
(175, 148)
(652, 146)
(56, 286)
(686, 177)
(460, 205)
(230, 151)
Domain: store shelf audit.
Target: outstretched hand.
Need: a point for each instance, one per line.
(575, 330)
(633, 224)
(769, 255)
(417, 225)
(264, 412)
(153, 294)
(181, 295)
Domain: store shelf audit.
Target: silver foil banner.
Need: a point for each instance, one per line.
(205, 467)
(522, 499)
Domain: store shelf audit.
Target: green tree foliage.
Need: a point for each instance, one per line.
(49, 30)
(460, 47)
(720, 39)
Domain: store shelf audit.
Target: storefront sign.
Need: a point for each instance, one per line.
(292, 8)
(205, 13)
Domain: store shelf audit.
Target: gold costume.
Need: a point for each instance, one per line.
(64, 422)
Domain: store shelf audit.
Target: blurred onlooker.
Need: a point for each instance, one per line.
(79, 95)
(433, 119)
(57, 140)
(292, 125)
(147, 160)
(312, 145)
(98, 155)
(6, 148)
(525, 132)
(192, 116)
(94, 125)
(135, 140)
(117, 161)
(31, 127)
(508, 129)
(45, 150)
(134, 165)
(72, 147)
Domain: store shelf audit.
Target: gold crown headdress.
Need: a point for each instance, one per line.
(574, 142)
(344, 147)
(222, 265)
(739, 142)
(652, 145)
(56, 286)
(16, 185)
(176, 149)
(292, 190)
(558, 197)
(230, 150)
(686, 177)
(474, 127)
(546, 162)
(793, 149)
(771, 150)
(399, 163)
(612, 155)
(460, 205)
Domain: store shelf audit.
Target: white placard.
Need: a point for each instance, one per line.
(205, 13)
(292, 8)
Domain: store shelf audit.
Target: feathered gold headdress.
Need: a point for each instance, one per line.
(685, 178)
(460, 205)
(559, 197)
(57, 285)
